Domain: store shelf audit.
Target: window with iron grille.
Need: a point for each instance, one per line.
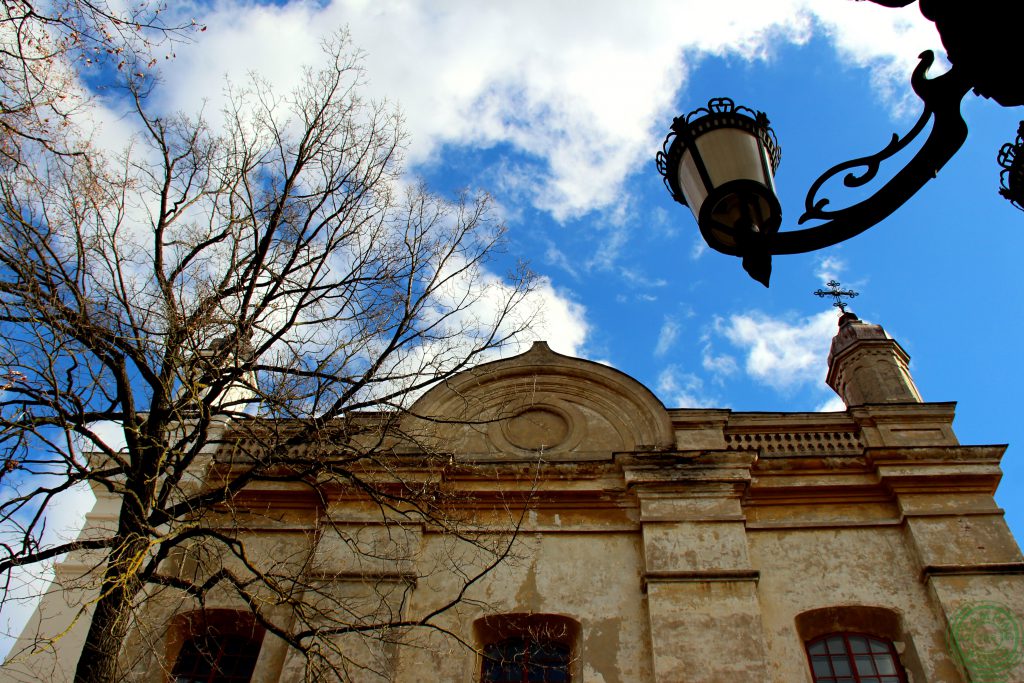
(526, 648)
(854, 658)
(526, 660)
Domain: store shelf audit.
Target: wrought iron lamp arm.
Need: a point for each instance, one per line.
(941, 97)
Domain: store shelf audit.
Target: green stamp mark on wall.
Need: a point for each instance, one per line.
(987, 639)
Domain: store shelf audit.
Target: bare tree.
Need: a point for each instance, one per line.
(255, 308)
(45, 47)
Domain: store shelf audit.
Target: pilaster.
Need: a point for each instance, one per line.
(701, 588)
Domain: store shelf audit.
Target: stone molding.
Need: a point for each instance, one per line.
(541, 404)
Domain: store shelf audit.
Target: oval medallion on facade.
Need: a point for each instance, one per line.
(536, 429)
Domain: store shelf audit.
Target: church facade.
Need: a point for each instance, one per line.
(655, 544)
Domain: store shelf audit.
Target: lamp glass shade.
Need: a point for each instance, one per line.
(728, 154)
(742, 187)
(719, 162)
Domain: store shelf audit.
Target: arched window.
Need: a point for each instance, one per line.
(526, 648)
(858, 644)
(854, 658)
(215, 646)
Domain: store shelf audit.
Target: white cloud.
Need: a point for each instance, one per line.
(829, 268)
(833, 404)
(471, 303)
(699, 247)
(561, 321)
(720, 366)
(581, 87)
(107, 432)
(640, 279)
(663, 223)
(780, 353)
(679, 389)
(667, 336)
(556, 257)
(879, 38)
(608, 248)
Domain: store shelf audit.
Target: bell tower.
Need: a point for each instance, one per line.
(865, 365)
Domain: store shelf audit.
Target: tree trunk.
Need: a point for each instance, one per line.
(112, 616)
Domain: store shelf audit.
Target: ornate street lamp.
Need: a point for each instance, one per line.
(720, 160)
(1011, 158)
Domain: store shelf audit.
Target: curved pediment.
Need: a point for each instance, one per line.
(541, 403)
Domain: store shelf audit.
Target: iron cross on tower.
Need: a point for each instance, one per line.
(836, 294)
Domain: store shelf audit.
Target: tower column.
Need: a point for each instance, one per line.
(865, 365)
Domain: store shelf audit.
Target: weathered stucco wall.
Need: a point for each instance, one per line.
(698, 546)
(590, 577)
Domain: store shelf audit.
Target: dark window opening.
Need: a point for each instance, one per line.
(211, 658)
(854, 658)
(526, 660)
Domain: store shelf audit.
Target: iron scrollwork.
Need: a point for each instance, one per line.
(814, 209)
(941, 97)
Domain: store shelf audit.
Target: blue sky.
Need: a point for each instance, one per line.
(646, 297)
(557, 109)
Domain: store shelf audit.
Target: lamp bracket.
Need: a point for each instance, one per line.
(941, 96)
(814, 209)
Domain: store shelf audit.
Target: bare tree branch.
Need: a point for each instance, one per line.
(254, 308)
